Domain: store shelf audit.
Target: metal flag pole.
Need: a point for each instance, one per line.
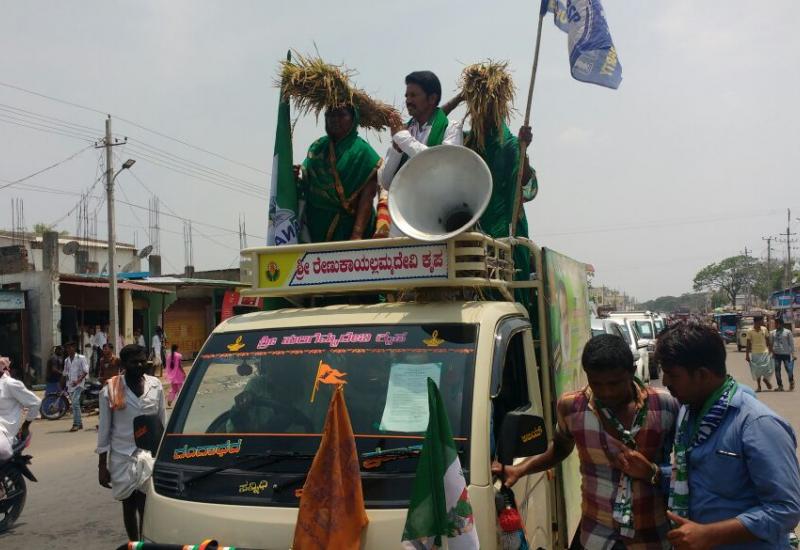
(523, 146)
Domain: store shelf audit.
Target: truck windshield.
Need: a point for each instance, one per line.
(268, 391)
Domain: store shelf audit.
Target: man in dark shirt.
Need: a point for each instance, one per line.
(108, 365)
(55, 369)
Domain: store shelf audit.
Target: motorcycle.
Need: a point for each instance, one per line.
(13, 489)
(57, 404)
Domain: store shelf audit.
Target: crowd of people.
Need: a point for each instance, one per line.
(342, 174)
(700, 464)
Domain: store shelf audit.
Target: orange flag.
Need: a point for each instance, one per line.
(332, 512)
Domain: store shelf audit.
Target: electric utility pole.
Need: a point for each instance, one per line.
(113, 306)
(769, 263)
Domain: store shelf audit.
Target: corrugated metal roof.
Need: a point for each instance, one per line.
(122, 285)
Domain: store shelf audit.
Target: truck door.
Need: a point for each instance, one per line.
(515, 385)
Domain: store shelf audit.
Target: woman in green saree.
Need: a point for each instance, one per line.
(500, 150)
(339, 181)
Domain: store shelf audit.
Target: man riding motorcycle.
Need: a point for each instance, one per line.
(14, 397)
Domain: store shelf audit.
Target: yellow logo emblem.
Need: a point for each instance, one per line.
(237, 345)
(434, 340)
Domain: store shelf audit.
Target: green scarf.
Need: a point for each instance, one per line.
(501, 153)
(438, 126)
(332, 192)
(623, 504)
(691, 434)
(439, 123)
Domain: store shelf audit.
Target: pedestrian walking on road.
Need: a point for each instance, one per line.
(98, 341)
(156, 347)
(175, 374)
(108, 366)
(623, 431)
(757, 353)
(76, 369)
(14, 397)
(781, 342)
(122, 466)
(55, 370)
(735, 481)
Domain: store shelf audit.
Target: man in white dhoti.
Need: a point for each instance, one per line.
(123, 467)
(757, 353)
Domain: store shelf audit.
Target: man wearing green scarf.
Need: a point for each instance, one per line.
(339, 181)
(735, 482)
(429, 126)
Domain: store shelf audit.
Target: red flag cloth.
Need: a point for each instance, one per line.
(332, 513)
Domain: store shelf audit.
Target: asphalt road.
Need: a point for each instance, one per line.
(68, 509)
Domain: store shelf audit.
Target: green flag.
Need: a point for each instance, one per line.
(439, 500)
(283, 226)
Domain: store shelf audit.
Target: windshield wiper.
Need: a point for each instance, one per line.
(374, 459)
(269, 457)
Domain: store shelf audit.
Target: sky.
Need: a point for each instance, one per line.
(691, 160)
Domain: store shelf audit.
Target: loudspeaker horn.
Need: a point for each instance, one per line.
(439, 193)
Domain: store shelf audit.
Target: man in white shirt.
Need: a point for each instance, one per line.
(76, 369)
(14, 397)
(429, 126)
(122, 466)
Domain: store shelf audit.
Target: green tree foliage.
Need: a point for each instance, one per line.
(691, 301)
(733, 276)
(40, 228)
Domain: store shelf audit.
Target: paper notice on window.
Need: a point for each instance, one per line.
(407, 397)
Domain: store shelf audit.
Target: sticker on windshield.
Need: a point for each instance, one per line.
(327, 375)
(237, 345)
(199, 451)
(255, 487)
(434, 341)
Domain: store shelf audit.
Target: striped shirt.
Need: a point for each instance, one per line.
(579, 420)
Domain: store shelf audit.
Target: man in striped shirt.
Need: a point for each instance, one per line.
(623, 431)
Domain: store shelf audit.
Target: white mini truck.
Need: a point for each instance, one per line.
(382, 317)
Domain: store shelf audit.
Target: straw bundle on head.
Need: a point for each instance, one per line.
(489, 94)
(317, 86)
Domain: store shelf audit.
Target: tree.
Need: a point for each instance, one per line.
(732, 276)
(40, 228)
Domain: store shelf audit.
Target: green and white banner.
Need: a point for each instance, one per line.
(440, 504)
(283, 226)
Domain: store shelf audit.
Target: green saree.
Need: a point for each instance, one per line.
(502, 156)
(333, 177)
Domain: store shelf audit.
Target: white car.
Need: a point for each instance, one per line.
(618, 328)
(644, 330)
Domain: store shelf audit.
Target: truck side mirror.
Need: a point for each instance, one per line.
(522, 434)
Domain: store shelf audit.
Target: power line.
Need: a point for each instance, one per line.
(182, 160)
(47, 118)
(48, 131)
(20, 180)
(252, 191)
(172, 211)
(127, 121)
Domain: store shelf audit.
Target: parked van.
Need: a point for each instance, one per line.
(249, 419)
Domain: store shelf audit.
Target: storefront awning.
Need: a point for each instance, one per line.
(122, 285)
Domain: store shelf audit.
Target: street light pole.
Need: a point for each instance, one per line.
(113, 297)
(113, 306)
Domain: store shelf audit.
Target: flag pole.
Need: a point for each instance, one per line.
(522, 146)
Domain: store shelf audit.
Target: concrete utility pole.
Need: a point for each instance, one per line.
(747, 295)
(769, 262)
(113, 298)
(788, 240)
(113, 306)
